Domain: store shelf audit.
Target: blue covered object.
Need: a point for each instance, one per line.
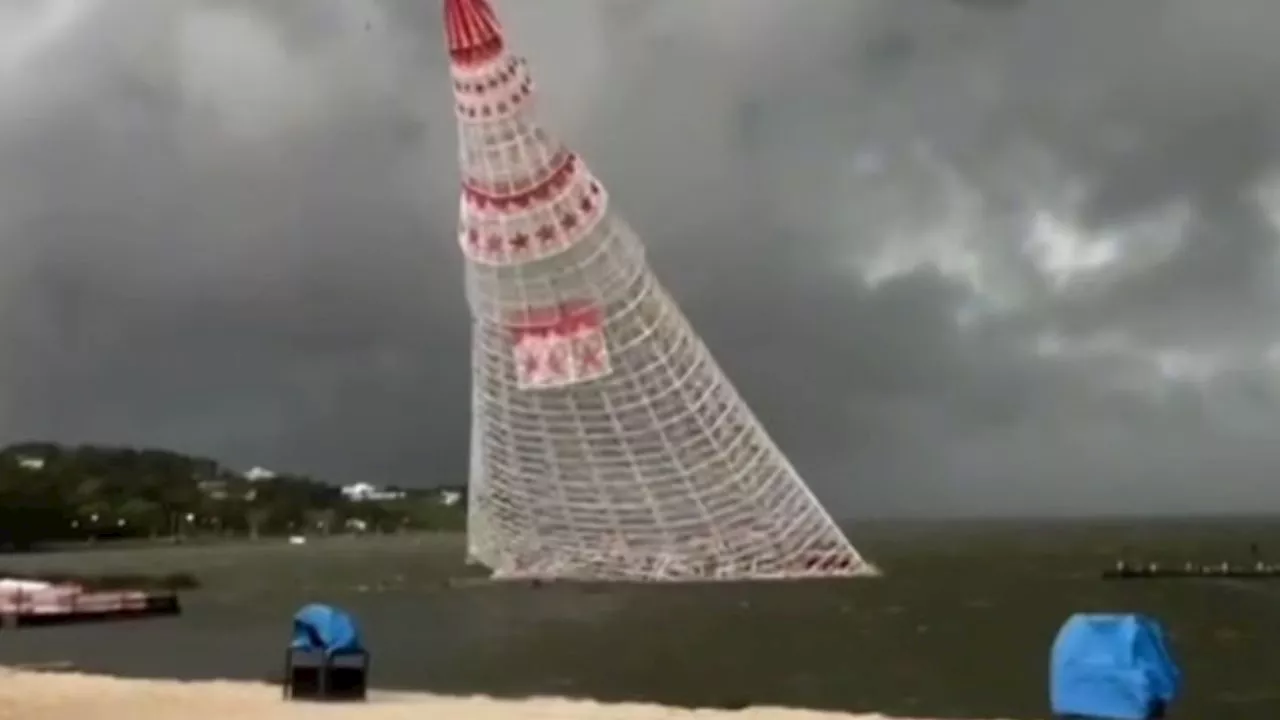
(1112, 666)
(325, 628)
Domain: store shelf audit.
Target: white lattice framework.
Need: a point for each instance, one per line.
(606, 442)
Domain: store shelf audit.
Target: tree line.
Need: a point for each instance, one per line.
(55, 493)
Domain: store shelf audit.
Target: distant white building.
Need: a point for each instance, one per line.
(258, 474)
(218, 489)
(28, 462)
(213, 489)
(450, 497)
(364, 492)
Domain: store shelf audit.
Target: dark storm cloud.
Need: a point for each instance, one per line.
(227, 227)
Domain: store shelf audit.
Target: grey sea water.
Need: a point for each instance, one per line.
(959, 627)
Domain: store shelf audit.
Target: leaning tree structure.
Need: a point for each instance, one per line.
(606, 442)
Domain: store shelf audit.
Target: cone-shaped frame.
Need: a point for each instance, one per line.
(606, 442)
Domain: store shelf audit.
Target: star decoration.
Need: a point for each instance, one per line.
(530, 364)
(591, 352)
(555, 361)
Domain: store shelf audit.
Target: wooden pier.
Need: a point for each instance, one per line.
(62, 604)
(1155, 571)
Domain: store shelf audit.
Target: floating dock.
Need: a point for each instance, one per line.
(1154, 571)
(24, 605)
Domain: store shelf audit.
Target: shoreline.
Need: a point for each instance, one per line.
(44, 695)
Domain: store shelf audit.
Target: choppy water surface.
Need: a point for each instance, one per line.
(960, 626)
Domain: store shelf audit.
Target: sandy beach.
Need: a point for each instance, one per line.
(28, 695)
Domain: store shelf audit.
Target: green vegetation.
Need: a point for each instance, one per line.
(52, 493)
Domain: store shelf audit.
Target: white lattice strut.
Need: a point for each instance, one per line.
(606, 442)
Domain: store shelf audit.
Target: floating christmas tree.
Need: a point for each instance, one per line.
(606, 442)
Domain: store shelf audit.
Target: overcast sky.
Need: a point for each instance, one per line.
(982, 256)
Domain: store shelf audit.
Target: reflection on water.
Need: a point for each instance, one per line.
(960, 626)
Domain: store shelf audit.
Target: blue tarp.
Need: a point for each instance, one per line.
(1111, 666)
(326, 628)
